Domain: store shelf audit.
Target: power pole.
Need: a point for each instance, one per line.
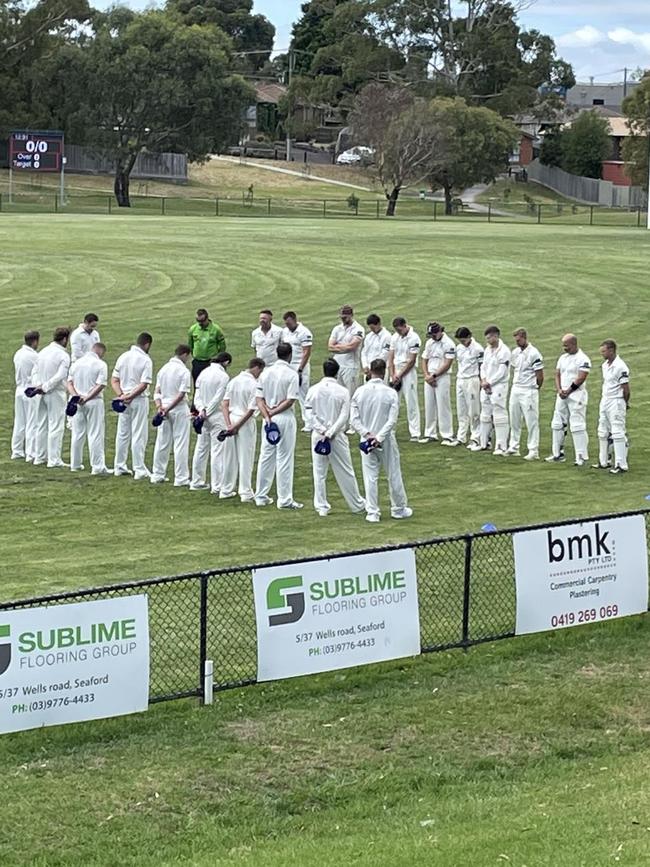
(625, 82)
(291, 61)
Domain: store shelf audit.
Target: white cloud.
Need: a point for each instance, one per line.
(623, 36)
(583, 37)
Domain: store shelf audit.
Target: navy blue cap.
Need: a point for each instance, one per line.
(31, 391)
(197, 423)
(73, 405)
(323, 447)
(367, 446)
(273, 435)
(397, 385)
(223, 435)
(158, 419)
(118, 405)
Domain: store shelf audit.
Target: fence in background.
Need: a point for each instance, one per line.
(343, 208)
(466, 588)
(587, 190)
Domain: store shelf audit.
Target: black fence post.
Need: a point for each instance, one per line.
(0, 203)
(638, 214)
(56, 204)
(435, 211)
(356, 208)
(268, 207)
(489, 212)
(539, 214)
(216, 207)
(591, 215)
(203, 632)
(324, 207)
(467, 590)
(162, 206)
(110, 204)
(377, 208)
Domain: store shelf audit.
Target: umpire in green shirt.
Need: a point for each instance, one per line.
(206, 339)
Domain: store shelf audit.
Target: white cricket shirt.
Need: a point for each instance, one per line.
(374, 409)
(211, 386)
(52, 366)
(87, 372)
(405, 348)
(81, 342)
(25, 360)
(132, 368)
(436, 352)
(328, 403)
(297, 340)
(277, 384)
(570, 366)
(525, 364)
(347, 334)
(375, 346)
(496, 364)
(615, 376)
(240, 392)
(173, 379)
(265, 343)
(469, 359)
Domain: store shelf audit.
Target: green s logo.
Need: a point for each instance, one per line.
(278, 596)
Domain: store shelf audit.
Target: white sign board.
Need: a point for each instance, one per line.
(580, 573)
(329, 614)
(69, 663)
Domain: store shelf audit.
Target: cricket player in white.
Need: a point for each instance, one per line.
(84, 337)
(437, 359)
(345, 342)
(130, 380)
(301, 341)
(571, 374)
(277, 391)
(211, 386)
(87, 380)
(374, 413)
(51, 375)
(173, 384)
(528, 365)
(265, 338)
(328, 406)
(469, 357)
(376, 343)
(239, 416)
(495, 373)
(23, 437)
(402, 371)
(613, 409)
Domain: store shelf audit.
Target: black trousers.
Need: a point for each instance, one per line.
(197, 367)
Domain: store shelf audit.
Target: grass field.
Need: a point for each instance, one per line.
(531, 752)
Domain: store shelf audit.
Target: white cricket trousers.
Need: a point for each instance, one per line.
(207, 445)
(276, 462)
(494, 411)
(238, 458)
(175, 430)
(409, 392)
(611, 421)
(524, 407)
(340, 461)
(349, 378)
(88, 424)
(133, 431)
(303, 389)
(50, 424)
(23, 438)
(437, 409)
(571, 412)
(468, 409)
(388, 458)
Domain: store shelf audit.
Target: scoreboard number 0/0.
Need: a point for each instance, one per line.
(36, 151)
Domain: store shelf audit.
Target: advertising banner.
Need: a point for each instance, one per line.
(69, 663)
(329, 614)
(580, 573)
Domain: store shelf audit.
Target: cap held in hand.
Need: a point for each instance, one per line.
(197, 423)
(223, 435)
(323, 447)
(157, 420)
(272, 431)
(31, 391)
(368, 446)
(118, 405)
(73, 405)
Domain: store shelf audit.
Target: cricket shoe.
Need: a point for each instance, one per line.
(122, 471)
(78, 469)
(555, 459)
(227, 496)
(500, 453)
(475, 447)
(400, 514)
(618, 471)
(157, 480)
(580, 461)
(600, 466)
(18, 457)
(372, 519)
(513, 451)
(427, 440)
(264, 501)
(532, 456)
(323, 513)
(451, 443)
(141, 475)
(199, 486)
(293, 506)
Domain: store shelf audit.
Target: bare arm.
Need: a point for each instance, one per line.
(539, 376)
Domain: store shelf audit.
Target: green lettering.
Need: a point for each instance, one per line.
(128, 628)
(108, 633)
(382, 583)
(347, 586)
(26, 642)
(65, 637)
(399, 580)
(316, 591)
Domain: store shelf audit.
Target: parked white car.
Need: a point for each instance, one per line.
(358, 155)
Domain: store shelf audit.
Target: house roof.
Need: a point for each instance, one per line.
(267, 91)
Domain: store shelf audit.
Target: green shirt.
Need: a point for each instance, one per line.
(206, 342)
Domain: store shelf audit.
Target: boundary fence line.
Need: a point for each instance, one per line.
(344, 208)
(466, 588)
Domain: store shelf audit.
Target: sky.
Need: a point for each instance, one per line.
(599, 37)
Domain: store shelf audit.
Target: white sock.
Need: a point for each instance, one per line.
(620, 454)
(581, 444)
(486, 430)
(603, 451)
(558, 442)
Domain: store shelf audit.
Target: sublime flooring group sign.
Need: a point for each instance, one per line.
(581, 573)
(70, 663)
(328, 614)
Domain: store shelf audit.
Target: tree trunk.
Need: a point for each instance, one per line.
(392, 202)
(448, 201)
(121, 186)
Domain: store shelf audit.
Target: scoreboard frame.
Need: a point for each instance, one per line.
(36, 150)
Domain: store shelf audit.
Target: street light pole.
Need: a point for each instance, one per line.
(289, 105)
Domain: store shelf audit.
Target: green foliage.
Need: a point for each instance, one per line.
(552, 150)
(585, 144)
(635, 148)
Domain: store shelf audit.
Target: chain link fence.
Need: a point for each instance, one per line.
(466, 589)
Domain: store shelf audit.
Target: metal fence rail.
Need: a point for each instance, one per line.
(466, 587)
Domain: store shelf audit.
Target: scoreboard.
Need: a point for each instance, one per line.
(36, 151)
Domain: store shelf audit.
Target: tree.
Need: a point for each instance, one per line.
(144, 82)
(398, 128)
(635, 148)
(552, 149)
(585, 144)
(475, 143)
(249, 33)
(474, 49)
